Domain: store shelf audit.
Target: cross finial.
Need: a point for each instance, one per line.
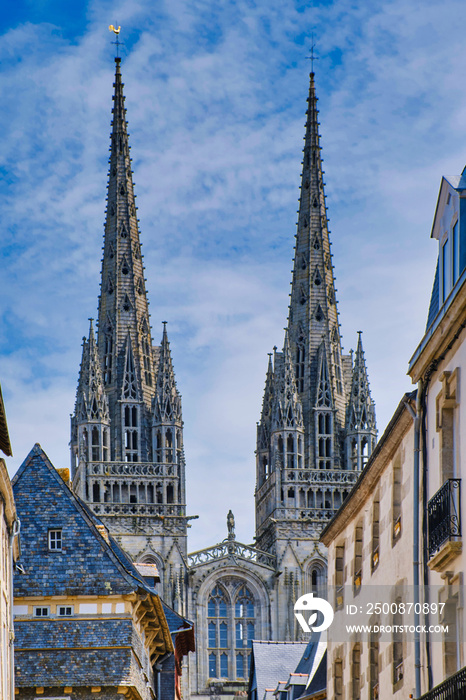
(312, 57)
(117, 42)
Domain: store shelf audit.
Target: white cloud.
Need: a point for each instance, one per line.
(216, 100)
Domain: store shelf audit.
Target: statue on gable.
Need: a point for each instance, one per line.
(231, 525)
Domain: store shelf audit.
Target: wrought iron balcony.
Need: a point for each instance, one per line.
(454, 688)
(444, 515)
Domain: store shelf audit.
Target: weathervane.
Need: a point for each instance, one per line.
(312, 57)
(116, 31)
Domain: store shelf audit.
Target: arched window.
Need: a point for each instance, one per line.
(95, 443)
(324, 420)
(217, 626)
(244, 630)
(317, 578)
(231, 626)
(131, 432)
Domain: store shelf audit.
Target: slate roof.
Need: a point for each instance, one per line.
(434, 299)
(288, 669)
(87, 564)
(104, 650)
(273, 662)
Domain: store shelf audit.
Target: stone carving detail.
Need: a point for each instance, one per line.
(229, 548)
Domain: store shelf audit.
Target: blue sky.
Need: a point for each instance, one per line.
(216, 97)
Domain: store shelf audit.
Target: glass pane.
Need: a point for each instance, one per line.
(239, 666)
(446, 269)
(455, 252)
(250, 633)
(250, 609)
(223, 635)
(211, 608)
(212, 666)
(212, 635)
(239, 635)
(224, 666)
(222, 608)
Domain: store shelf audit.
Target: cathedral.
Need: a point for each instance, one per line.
(316, 431)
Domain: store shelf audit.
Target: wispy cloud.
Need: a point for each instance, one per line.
(216, 100)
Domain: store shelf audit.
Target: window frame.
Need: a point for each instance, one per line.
(51, 545)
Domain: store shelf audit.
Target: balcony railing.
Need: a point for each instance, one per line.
(444, 515)
(454, 688)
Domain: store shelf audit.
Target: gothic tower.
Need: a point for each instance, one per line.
(317, 414)
(127, 429)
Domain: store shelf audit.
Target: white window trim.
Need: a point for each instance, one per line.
(55, 548)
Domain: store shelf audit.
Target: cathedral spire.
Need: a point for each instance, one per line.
(127, 456)
(313, 316)
(304, 466)
(123, 305)
(361, 430)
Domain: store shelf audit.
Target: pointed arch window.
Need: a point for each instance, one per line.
(324, 430)
(129, 382)
(245, 624)
(317, 578)
(217, 626)
(317, 278)
(231, 627)
(319, 314)
(131, 432)
(127, 306)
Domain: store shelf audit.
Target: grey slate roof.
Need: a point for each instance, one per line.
(434, 299)
(87, 564)
(273, 662)
(81, 651)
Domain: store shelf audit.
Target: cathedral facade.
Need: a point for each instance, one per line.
(316, 431)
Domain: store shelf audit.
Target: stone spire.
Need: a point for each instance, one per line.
(361, 429)
(135, 480)
(167, 401)
(313, 316)
(123, 304)
(89, 424)
(264, 428)
(303, 474)
(286, 406)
